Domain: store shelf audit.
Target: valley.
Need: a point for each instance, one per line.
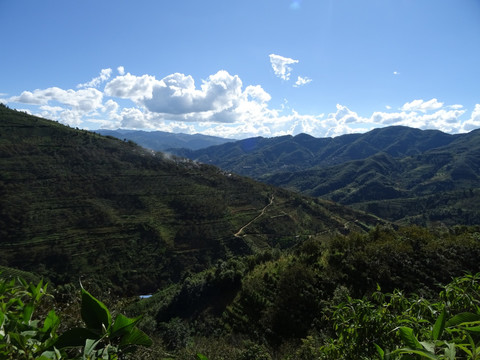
(259, 258)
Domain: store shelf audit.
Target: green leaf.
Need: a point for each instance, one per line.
(475, 329)
(123, 325)
(27, 312)
(439, 326)
(420, 352)
(94, 313)
(450, 351)
(380, 351)
(462, 318)
(89, 348)
(135, 337)
(51, 322)
(75, 337)
(409, 338)
(465, 348)
(429, 346)
(18, 340)
(50, 355)
(201, 357)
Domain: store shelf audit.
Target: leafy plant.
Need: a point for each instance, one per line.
(459, 333)
(22, 337)
(102, 337)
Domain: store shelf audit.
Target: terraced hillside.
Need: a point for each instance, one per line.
(77, 204)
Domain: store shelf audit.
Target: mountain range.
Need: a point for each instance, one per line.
(75, 203)
(397, 173)
(238, 268)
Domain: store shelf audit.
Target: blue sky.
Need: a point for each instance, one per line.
(244, 68)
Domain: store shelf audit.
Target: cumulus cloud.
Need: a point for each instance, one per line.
(221, 105)
(281, 66)
(177, 94)
(220, 97)
(442, 119)
(104, 76)
(473, 122)
(132, 87)
(421, 105)
(82, 100)
(302, 81)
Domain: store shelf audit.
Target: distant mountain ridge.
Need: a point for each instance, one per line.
(397, 173)
(256, 157)
(161, 140)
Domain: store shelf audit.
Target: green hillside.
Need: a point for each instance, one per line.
(439, 185)
(238, 269)
(77, 204)
(257, 157)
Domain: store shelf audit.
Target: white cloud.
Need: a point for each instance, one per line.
(177, 94)
(221, 105)
(473, 122)
(82, 100)
(281, 66)
(302, 81)
(220, 98)
(444, 120)
(421, 105)
(132, 87)
(104, 76)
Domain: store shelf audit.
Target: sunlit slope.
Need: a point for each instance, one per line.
(76, 204)
(439, 185)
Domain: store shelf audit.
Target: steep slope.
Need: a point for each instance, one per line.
(161, 140)
(256, 157)
(74, 203)
(442, 184)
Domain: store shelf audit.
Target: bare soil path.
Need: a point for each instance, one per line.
(262, 212)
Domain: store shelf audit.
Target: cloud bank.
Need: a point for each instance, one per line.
(221, 105)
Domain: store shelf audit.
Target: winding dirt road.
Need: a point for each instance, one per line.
(262, 212)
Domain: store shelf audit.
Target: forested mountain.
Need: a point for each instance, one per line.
(439, 185)
(76, 203)
(239, 269)
(256, 157)
(161, 140)
(398, 173)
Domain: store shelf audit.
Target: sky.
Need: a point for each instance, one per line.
(244, 68)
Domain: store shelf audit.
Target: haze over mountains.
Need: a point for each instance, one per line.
(161, 140)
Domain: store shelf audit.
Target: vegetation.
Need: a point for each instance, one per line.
(237, 269)
(285, 302)
(74, 203)
(23, 336)
(397, 173)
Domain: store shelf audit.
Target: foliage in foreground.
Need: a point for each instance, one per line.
(385, 326)
(24, 336)
(396, 326)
